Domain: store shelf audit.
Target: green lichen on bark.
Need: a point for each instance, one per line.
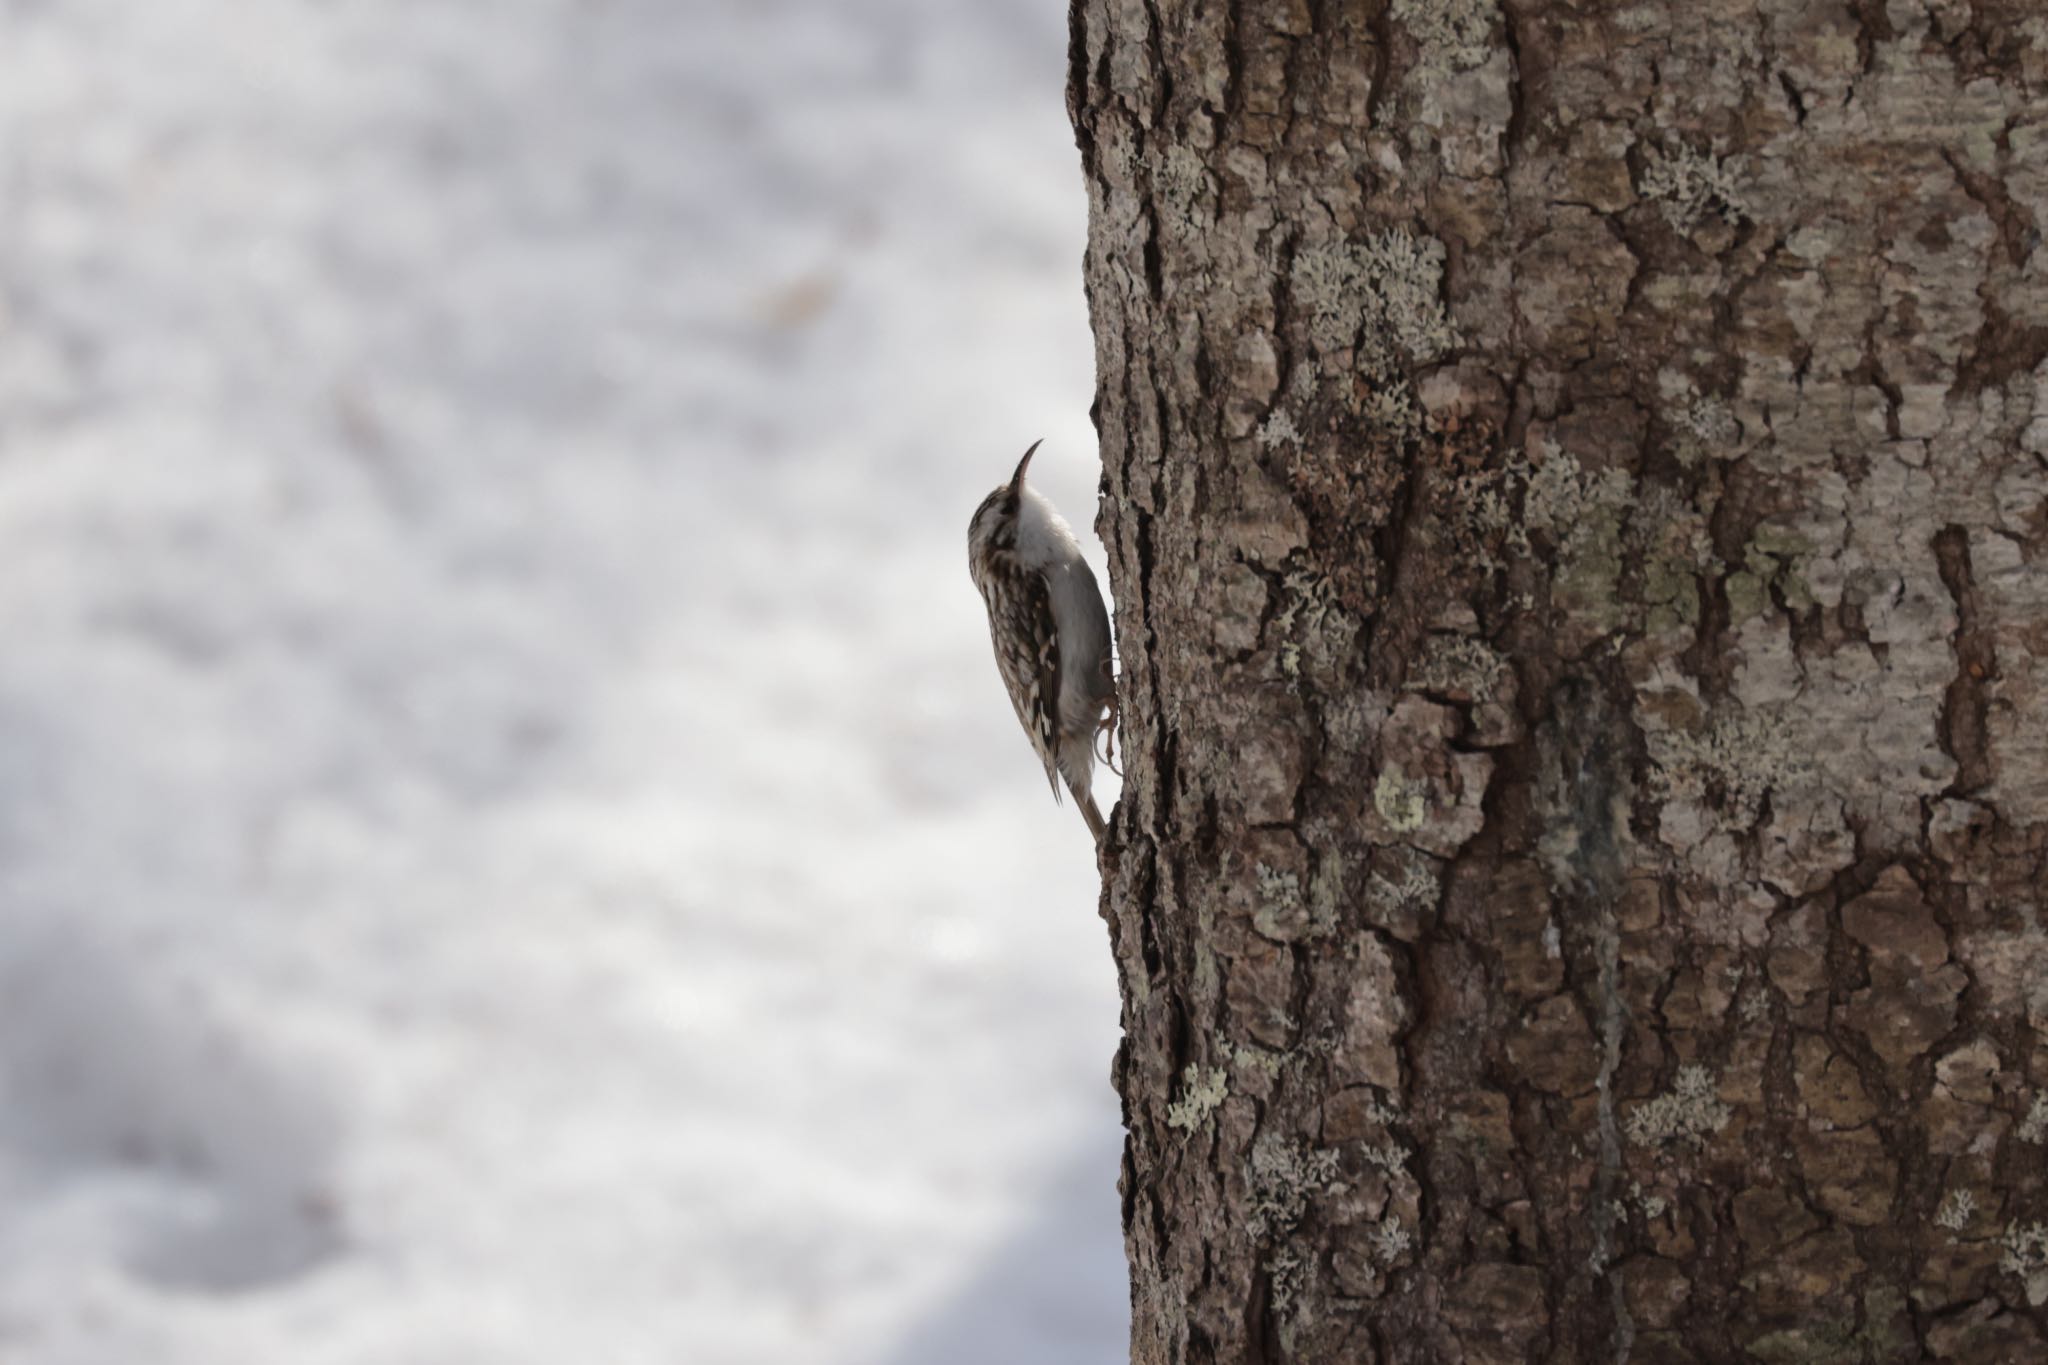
(1400, 802)
(1202, 1091)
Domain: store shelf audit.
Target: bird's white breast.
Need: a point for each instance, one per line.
(1046, 543)
(1043, 537)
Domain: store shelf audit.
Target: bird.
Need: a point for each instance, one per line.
(1050, 630)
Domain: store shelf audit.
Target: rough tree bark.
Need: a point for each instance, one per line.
(1574, 486)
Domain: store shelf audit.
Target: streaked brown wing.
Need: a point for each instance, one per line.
(1028, 657)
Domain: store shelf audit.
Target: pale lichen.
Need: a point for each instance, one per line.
(1457, 666)
(1399, 802)
(1403, 891)
(1710, 423)
(1956, 1210)
(1458, 33)
(1389, 407)
(1309, 601)
(1689, 184)
(1389, 1241)
(1283, 1174)
(1275, 887)
(1689, 1113)
(1376, 1111)
(1560, 493)
(1415, 890)
(1382, 295)
(1202, 1090)
(1181, 183)
(1285, 1272)
(1313, 627)
(1279, 430)
(1281, 913)
(1326, 895)
(1259, 1060)
(1584, 512)
(2034, 1127)
(1703, 423)
(1734, 762)
(1389, 1156)
(2026, 1255)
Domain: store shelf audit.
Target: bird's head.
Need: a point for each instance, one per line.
(994, 525)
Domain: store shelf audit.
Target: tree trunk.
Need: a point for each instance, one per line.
(1575, 500)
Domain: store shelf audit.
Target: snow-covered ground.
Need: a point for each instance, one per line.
(512, 846)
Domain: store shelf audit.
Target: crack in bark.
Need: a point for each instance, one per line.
(1964, 705)
(1077, 83)
(1589, 781)
(1515, 135)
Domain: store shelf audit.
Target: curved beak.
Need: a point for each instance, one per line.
(1017, 483)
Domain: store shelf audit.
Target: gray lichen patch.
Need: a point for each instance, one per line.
(2026, 1256)
(1389, 1156)
(1283, 1174)
(1560, 493)
(1458, 33)
(1838, 1338)
(1278, 431)
(1458, 86)
(1389, 1241)
(1687, 1114)
(1704, 424)
(1281, 912)
(1258, 1061)
(1688, 184)
(1403, 892)
(2010, 968)
(1182, 190)
(1716, 777)
(1287, 1273)
(1466, 672)
(1310, 601)
(1389, 408)
(1310, 626)
(1459, 667)
(1956, 1209)
(1710, 424)
(2034, 1127)
(1584, 512)
(1382, 295)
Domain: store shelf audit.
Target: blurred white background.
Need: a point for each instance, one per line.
(512, 845)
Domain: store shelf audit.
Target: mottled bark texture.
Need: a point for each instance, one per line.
(1574, 486)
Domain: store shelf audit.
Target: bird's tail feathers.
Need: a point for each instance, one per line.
(1086, 801)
